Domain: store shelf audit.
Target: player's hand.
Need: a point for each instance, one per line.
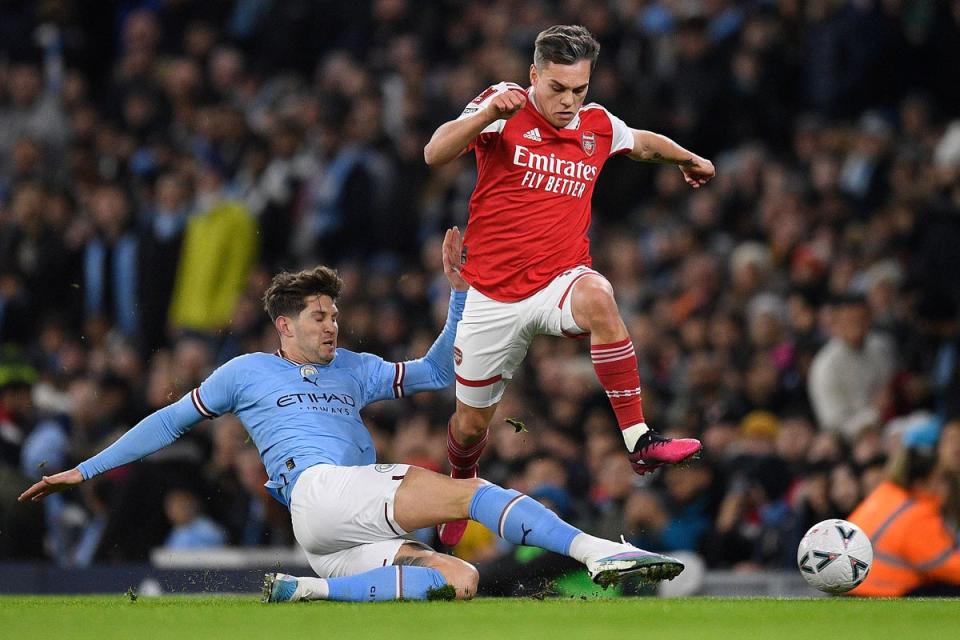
(452, 251)
(51, 484)
(697, 171)
(506, 105)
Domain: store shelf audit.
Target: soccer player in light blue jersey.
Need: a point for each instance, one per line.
(301, 407)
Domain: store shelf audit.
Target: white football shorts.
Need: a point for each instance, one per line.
(343, 517)
(493, 336)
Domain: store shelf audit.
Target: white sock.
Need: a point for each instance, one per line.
(311, 589)
(633, 433)
(585, 547)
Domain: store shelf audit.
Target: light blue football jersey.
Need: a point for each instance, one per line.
(298, 415)
(302, 415)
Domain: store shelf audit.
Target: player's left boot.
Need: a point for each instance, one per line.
(622, 560)
(278, 587)
(653, 451)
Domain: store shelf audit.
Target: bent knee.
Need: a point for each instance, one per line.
(463, 577)
(470, 424)
(595, 292)
(473, 484)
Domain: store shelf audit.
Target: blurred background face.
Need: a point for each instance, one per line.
(16, 400)
(181, 507)
(27, 156)
(27, 205)
(109, 208)
(851, 323)
(685, 484)
(616, 477)
(844, 488)
(560, 90)
(545, 472)
(794, 438)
(171, 192)
(25, 83)
(229, 437)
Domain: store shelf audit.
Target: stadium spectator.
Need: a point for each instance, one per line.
(32, 111)
(911, 518)
(268, 180)
(16, 407)
(162, 228)
(680, 516)
(219, 248)
(111, 294)
(754, 519)
(228, 504)
(25, 528)
(850, 371)
(191, 528)
(344, 209)
(33, 249)
(264, 521)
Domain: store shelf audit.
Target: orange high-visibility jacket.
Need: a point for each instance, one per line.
(912, 545)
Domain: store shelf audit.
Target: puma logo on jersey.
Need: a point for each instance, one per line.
(526, 532)
(533, 134)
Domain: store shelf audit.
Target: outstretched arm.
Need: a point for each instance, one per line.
(653, 147)
(152, 433)
(435, 370)
(453, 138)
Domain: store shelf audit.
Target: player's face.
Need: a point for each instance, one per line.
(559, 90)
(315, 329)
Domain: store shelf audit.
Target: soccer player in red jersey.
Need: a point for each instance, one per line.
(526, 250)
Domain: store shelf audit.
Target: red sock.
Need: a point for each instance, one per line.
(463, 460)
(616, 367)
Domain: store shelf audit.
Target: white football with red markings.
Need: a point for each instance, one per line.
(835, 556)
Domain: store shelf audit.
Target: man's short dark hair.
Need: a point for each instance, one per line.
(288, 292)
(565, 44)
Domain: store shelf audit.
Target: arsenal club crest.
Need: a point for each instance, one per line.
(589, 142)
(457, 355)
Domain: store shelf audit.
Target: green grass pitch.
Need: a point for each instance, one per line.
(236, 618)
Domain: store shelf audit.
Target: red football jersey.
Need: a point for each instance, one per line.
(530, 210)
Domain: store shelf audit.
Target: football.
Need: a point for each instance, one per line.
(834, 556)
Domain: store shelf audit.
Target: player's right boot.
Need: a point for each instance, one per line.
(652, 451)
(610, 566)
(278, 587)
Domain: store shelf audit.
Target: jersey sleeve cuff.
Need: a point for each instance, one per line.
(199, 406)
(400, 372)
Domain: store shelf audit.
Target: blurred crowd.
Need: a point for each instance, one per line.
(161, 159)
